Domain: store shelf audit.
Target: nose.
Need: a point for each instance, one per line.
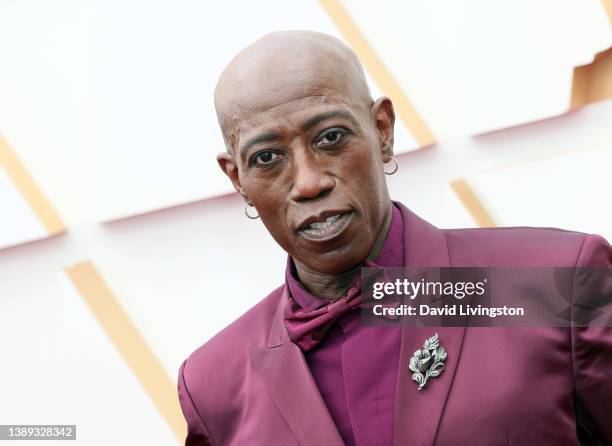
(310, 178)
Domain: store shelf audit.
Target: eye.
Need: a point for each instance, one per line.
(264, 158)
(331, 136)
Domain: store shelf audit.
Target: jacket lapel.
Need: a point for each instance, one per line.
(418, 413)
(284, 371)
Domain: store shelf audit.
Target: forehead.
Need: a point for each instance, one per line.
(292, 112)
(267, 91)
(287, 108)
(293, 118)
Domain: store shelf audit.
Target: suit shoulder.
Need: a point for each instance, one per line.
(213, 374)
(251, 328)
(514, 246)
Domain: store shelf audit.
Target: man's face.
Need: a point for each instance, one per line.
(312, 167)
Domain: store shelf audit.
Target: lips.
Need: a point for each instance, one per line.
(325, 226)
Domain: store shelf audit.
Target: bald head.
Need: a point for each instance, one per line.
(286, 66)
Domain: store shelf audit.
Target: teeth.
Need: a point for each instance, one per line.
(324, 224)
(325, 229)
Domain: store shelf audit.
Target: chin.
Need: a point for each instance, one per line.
(338, 261)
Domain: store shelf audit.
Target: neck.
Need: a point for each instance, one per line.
(332, 286)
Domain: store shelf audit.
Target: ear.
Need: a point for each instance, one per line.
(228, 166)
(384, 118)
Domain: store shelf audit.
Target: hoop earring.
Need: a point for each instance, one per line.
(246, 212)
(394, 169)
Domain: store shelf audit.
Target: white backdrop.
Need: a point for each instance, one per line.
(107, 106)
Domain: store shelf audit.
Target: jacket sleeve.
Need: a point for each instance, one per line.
(197, 434)
(592, 345)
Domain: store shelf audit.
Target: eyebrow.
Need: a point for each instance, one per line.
(307, 125)
(311, 122)
(264, 137)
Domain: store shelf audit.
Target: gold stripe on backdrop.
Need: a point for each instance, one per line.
(130, 343)
(474, 206)
(404, 108)
(607, 4)
(593, 82)
(29, 190)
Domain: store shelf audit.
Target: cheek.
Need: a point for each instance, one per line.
(272, 208)
(261, 191)
(364, 174)
(367, 185)
(272, 212)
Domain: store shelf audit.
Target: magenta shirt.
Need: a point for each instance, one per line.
(354, 366)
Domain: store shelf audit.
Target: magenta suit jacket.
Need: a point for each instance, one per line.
(250, 385)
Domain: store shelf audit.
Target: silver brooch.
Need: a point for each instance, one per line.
(429, 362)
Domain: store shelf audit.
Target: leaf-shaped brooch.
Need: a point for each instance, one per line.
(429, 362)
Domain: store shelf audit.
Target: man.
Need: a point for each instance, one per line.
(306, 148)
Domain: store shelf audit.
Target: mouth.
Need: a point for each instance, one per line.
(326, 226)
